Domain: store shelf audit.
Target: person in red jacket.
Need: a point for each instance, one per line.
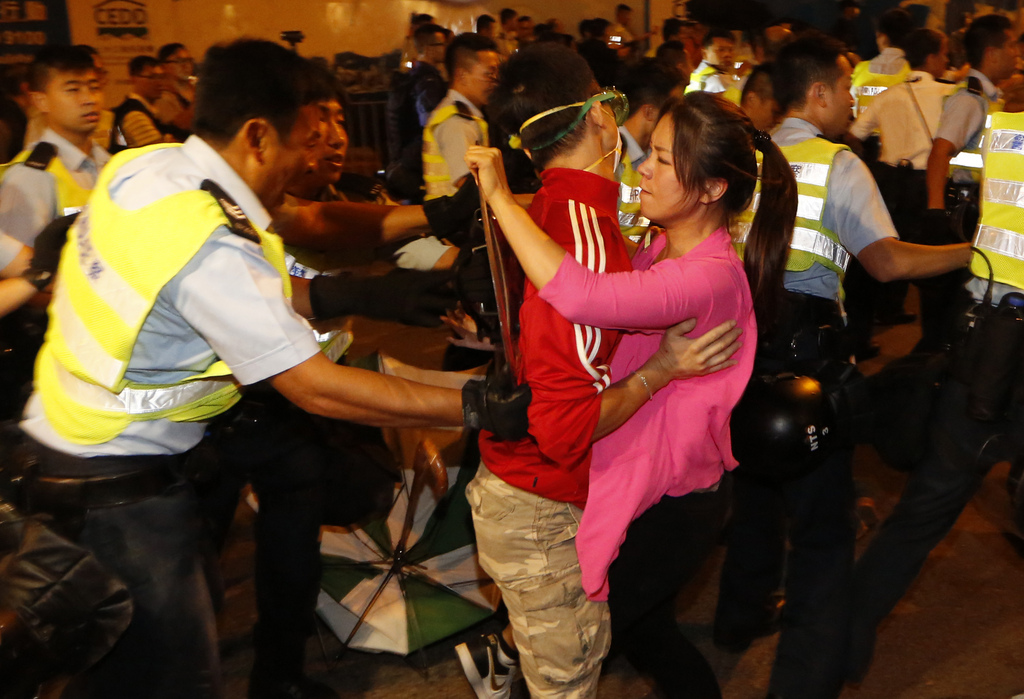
(528, 495)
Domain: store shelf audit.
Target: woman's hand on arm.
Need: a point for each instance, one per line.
(539, 256)
(678, 357)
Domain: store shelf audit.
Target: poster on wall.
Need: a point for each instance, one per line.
(121, 30)
(26, 25)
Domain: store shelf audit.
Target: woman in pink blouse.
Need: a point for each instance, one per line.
(701, 173)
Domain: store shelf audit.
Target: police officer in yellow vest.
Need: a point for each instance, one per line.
(992, 52)
(978, 420)
(298, 469)
(455, 124)
(840, 213)
(49, 179)
(956, 155)
(716, 73)
(171, 295)
(889, 67)
(647, 86)
(53, 177)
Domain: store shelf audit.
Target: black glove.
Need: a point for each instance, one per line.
(404, 295)
(936, 228)
(485, 406)
(475, 287)
(47, 247)
(452, 217)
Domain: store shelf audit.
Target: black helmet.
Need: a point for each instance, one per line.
(782, 427)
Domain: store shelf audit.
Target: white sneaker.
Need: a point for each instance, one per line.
(490, 671)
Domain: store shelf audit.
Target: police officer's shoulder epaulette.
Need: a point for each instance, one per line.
(463, 110)
(41, 156)
(974, 85)
(237, 221)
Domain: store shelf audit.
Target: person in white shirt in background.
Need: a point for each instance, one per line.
(907, 117)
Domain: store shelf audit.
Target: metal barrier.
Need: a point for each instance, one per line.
(365, 123)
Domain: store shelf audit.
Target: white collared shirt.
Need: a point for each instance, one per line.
(28, 197)
(906, 132)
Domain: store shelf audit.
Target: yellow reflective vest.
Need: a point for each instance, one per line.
(699, 83)
(436, 176)
(868, 85)
(111, 271)
(71, 197)
(811, 161)
(632, 224)
(1001, 226)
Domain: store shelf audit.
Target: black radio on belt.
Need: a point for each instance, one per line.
(988, 359)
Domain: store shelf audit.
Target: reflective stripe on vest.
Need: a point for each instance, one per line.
(333, 343)
(811, 162)
(436, 176)
(631, 222)
(868, 85)
(699, 83)
(110, 275)
(71, 196)
(1001, 225)
(699, 78)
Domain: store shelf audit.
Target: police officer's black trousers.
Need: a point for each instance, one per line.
(815, 514)
(169, 650)
(960, 453)
(286, 465)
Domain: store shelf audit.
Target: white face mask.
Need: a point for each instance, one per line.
(617, 152)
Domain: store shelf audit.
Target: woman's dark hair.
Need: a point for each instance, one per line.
(715, 140)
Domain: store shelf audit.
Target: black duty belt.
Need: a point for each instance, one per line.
(49, 488)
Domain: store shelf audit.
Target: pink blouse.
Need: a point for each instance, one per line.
(679, 441)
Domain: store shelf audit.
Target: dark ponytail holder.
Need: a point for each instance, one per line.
(761, 139)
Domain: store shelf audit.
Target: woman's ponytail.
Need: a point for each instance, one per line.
(767, 245)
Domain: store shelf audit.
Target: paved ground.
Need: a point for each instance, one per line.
(956, 636)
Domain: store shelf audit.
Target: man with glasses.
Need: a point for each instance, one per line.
(135, 120)
(175, 104)
(412, 98)
(457, 123)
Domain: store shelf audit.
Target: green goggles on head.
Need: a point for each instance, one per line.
(615, 100)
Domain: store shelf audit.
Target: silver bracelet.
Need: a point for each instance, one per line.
(650, 396)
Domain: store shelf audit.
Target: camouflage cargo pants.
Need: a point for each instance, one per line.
(527, 543)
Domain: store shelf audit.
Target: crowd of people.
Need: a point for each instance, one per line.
(708, 232)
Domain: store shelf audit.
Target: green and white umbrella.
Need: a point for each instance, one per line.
(410, 579)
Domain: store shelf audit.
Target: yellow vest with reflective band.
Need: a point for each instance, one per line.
(699, 83)
(812, 242)
(868, 85)
(110, 274)
(631, 223)
(436, 176)
(1001, 225)
(71, 197)
(308, 264)
(971, 158)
